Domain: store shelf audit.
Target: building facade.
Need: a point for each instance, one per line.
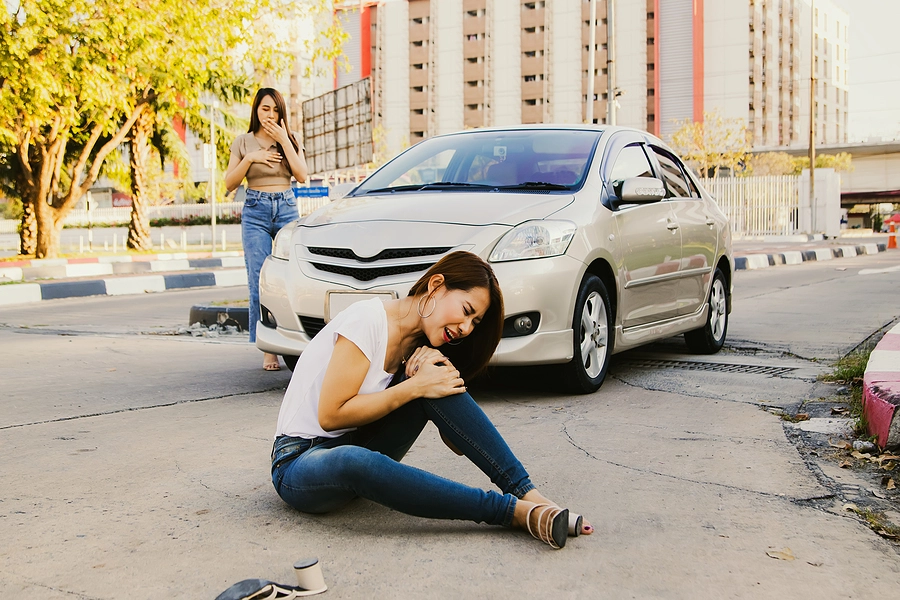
(439, 66)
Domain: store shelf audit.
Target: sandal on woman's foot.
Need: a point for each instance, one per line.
(260, 589)
(271, 365)
(552, 524)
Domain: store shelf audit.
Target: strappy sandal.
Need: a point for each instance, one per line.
(261, 589)
(552, 524)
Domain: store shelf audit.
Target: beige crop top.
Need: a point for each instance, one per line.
(261, 174)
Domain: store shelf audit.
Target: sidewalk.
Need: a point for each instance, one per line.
(127, 274)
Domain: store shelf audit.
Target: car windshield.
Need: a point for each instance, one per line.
(545, 159)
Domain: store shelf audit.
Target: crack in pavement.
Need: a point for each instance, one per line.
(138, 408)
(677, 478)
(56, 589)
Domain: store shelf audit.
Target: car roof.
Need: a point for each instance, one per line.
(604, 130)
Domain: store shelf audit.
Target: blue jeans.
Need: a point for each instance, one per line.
(264, 213)
(323, 474)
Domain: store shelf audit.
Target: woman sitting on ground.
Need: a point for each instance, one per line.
(347, 420)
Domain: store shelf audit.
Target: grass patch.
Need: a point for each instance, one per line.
(245, 302)
(879, 523)
(849, 370)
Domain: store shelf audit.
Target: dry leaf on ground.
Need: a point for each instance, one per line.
(842, 444)
(785, 554)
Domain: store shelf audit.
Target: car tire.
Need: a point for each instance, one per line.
(592, 338)
(710, 338)
(290, 361)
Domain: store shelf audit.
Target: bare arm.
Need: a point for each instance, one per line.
(341, 405)
(237, 166)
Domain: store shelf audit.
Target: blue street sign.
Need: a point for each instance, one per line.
(311, 192)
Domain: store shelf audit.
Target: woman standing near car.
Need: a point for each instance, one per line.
(367, 384)
(268, 155)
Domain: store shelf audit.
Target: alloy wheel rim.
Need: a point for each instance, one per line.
(594, 335)
(718, 311)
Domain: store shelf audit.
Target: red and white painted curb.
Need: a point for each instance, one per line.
(881, 390)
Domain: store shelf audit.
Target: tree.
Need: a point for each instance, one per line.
(782, 163)
(76, 75)
(713, 144)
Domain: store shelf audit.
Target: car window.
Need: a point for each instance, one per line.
(556, 159)
(676, 182)
(631, 162)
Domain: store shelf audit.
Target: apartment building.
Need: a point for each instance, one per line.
(439, 66)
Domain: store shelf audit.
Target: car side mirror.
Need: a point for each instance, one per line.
(641, 190)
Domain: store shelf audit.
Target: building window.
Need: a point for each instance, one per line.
(530, 54)
(419, 66)
(472, 59)
(530, 102)
(473, 37)
(418, 88)
(472, 83)
(418, 44)
(530, 29)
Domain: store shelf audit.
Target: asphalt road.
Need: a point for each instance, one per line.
(135, 463)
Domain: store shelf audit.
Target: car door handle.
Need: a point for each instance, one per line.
(710, 221)
(671, 226)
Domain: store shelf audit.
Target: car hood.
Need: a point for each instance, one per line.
(462, 208)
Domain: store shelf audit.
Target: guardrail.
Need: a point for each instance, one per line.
(758, 205)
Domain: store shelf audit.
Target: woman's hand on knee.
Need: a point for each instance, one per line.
(422, 355)
(437, 379)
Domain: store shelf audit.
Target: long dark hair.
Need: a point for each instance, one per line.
(281, 107)
(466, 271)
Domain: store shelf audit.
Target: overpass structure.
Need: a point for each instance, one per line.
(875, 177)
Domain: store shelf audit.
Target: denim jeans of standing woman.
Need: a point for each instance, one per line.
(323, 474)
(263, 215)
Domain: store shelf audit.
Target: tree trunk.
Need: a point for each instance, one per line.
(28, 234)
(48, 228)
(139, 228)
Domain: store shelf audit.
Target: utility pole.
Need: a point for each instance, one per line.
(589, 109)
(610, 63)
(812, 117)
(212, 168)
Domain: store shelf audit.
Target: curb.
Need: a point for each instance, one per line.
(63, 268)
(25, 293)
(761, 261)
(881, 390)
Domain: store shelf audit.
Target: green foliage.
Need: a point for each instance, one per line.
(76, 74)
(11, 209)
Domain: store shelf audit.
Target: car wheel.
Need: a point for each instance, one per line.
(710, 338)
(592, 339)
(290, 361)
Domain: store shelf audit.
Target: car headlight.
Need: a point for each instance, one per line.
(534, 239)
(282, 246)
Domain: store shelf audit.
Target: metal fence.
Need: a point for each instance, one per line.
(758, 205)
(121, 215)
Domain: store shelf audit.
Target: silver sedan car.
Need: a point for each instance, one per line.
(601, 240)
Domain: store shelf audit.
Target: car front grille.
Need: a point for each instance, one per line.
(370, 273)
(388, 254)
(389, 262)
(311, 325)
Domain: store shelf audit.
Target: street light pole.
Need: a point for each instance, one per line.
(212, 168)
(812, 117)
(592, 66)
(610, 62)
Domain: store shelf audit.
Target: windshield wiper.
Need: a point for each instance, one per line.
(436, 185)
(541, 185)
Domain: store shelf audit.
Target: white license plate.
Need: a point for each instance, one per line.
(335, 302)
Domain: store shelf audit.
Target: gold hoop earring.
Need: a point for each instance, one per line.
(419, 306)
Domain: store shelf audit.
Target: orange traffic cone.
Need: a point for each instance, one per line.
(892, 237)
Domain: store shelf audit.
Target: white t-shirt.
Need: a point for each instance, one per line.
(363, 323)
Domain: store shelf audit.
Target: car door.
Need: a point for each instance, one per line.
(698, 231)
(648, 248)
